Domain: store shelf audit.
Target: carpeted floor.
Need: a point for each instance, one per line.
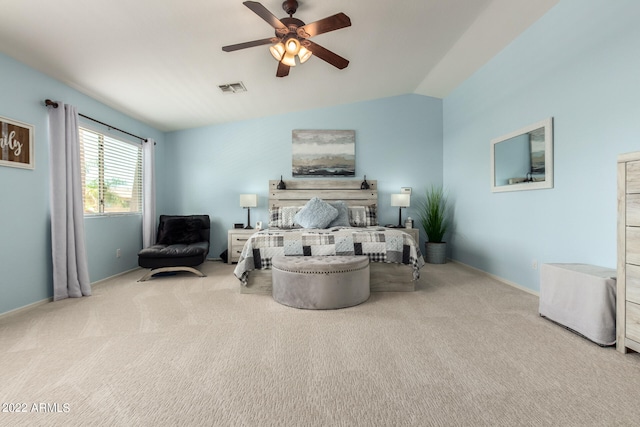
(463, 350)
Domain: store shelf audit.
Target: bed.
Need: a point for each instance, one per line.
(394, 255)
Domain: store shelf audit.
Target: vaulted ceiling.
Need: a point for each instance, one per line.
(160, 61)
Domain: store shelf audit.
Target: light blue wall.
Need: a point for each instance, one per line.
(580, 63)
(398, 143)
(25, 242)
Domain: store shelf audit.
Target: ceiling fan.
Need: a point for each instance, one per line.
(291, 37)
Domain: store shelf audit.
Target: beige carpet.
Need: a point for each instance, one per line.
(463, 349)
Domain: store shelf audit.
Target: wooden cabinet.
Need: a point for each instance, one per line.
(236, 239)
(628, 281)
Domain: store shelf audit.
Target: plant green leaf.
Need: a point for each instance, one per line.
(433, 214)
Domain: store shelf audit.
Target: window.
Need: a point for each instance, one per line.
(111, 174)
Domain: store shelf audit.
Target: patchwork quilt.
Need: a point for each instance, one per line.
(380, 244)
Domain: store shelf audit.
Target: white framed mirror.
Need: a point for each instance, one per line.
(523, 159)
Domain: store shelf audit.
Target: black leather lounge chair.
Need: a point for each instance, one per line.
(182, 244)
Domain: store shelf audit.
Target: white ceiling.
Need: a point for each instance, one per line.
(160, 61)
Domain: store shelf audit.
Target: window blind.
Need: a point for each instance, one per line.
(111, 174)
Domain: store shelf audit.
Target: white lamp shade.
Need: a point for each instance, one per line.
(248, 200)
(401, 200)
(289, 59)
(304, 54)
(277, 50)
(292, 46)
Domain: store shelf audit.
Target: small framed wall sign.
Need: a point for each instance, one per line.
(16, 144)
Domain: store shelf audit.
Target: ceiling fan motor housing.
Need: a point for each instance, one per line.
(292, 25)
(290, 6)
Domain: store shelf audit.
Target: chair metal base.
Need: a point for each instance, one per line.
(150, 273)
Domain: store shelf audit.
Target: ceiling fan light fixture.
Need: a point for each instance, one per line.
(291, 36)
(277, 51)
(292, 46)
(289, 59)
(304, 54)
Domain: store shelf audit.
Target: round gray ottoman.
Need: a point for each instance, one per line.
(320, 282)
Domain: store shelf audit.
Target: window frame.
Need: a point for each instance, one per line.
(92, 127)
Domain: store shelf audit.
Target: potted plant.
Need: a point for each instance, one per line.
(433, 214)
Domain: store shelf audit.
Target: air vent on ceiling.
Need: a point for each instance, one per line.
(233, 88)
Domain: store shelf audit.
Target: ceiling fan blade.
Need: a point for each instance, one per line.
(283, 70)
(331, 23)
(245, 45)
(264, 13)
(326, 55)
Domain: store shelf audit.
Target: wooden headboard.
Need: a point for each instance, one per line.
(300, 191)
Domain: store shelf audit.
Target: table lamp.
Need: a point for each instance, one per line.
(248, 201)
(401, 201)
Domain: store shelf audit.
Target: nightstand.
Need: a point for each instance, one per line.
(236, 239)
(413, 232)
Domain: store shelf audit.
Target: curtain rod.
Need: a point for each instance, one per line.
(53, 104)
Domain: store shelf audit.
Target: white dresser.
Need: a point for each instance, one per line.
(628, 292)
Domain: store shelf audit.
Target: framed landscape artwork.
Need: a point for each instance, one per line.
(16, 144)
(324, 153)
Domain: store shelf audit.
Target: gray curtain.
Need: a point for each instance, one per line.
(149, 197)
(70, 268)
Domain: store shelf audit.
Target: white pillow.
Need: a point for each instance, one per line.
(283, 217)
(316, 214)
(363, 216)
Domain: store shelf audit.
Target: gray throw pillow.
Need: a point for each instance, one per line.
(342, 220)
(316, 214)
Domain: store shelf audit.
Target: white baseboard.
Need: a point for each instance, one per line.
(47, 300)
(101, 281)
(25, 308)
(498, 278)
